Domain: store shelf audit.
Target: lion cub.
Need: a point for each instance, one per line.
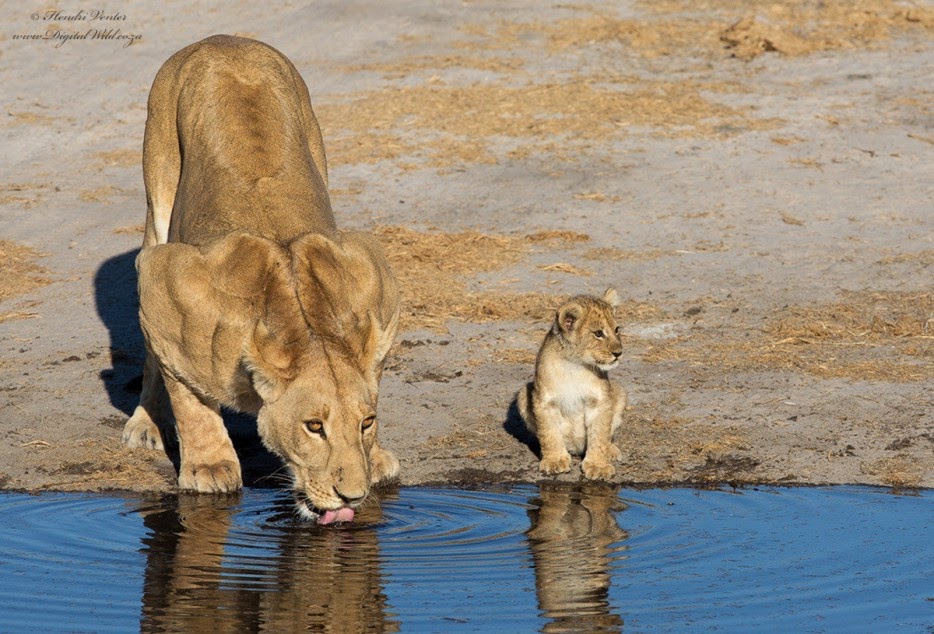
(572, 407)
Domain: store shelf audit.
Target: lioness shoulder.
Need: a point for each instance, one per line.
(571, 405)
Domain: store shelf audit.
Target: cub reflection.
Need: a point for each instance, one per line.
(572, 538)
(203, 577)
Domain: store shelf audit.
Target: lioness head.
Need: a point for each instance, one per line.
(322, 423)
(589, 331)
(316, 364)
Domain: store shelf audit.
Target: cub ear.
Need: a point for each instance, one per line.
(568, 317)
(611, 297)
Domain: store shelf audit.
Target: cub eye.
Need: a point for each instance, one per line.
(368, 422)
(599, 334)
(315, 426)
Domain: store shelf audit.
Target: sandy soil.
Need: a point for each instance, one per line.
(754, 177)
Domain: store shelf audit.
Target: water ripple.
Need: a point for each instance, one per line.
(551, 558)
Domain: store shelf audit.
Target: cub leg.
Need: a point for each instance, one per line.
(619, 405)
(209, 463)
(545, 423)
(596, 464)
(149, 425)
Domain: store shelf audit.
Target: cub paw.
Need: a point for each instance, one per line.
(383, 465)
(223, 477)
(141, 433)
(594, 470)
(615, 454)
(555, 464)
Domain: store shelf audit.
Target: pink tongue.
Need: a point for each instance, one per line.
(340, 515)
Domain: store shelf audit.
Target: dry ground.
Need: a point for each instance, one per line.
(754, 177)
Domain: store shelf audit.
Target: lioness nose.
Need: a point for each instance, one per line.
(350, 496)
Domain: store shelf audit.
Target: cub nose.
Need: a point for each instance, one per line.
(617, 353)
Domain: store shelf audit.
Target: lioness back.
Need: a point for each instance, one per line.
(233, 102)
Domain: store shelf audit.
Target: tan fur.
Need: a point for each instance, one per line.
(250, 297)
(574, 538)
(572, 406)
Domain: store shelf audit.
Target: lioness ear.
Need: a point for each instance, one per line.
(204, 305)
(611, 297)
(379, 338)
(270, 362)
(568, 317)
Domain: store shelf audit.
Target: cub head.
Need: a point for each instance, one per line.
(588, 330)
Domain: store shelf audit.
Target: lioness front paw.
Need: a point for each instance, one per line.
(383, 465)
(141, 432)
(594, 470)
(223, 477)
(555, 464)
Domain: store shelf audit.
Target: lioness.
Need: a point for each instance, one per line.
(572, 406)
(250, 297)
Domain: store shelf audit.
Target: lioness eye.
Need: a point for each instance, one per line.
(599, 334)
(315, 426)
(367, 422)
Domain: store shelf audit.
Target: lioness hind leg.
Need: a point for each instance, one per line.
(162, 159)
(151, 422)
(209, 463)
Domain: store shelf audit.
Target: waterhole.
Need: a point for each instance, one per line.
(517, 559)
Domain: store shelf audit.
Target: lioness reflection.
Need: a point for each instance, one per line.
(572, 537)
(201, 578)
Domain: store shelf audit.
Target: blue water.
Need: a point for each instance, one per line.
(517, 559)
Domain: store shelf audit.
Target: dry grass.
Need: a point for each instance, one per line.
(867, 336)
(19, 274)
(104, 465)
(612, 253)
(131, 229)
(799, 27)
(649, 37)
(29, 118)
(924, 258)
(897, 471)
(415, 65)
(119, 158)
(442, 125)
(99, 194)
(28, 195)
(860, 317)
(434, 269)
(802, 28)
